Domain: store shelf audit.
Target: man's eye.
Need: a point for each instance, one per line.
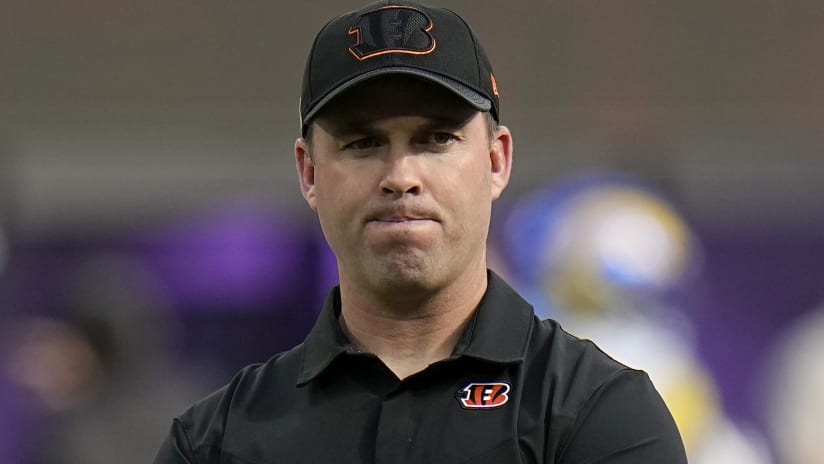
(363, 144)
(441, 138)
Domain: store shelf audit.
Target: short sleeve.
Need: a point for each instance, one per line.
(625, 422)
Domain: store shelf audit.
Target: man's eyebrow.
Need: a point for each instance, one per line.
(340, 127)
(451, 122)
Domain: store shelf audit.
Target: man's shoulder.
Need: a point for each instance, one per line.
(568, 351)
(595, 405)
(576, 368)
(251, 385)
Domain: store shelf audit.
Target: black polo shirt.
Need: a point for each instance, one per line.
(515, 390)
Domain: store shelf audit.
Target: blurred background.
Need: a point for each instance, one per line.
(666, 201)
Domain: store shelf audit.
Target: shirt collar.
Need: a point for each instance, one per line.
(497, 333)
(500, 327)
(325, 341)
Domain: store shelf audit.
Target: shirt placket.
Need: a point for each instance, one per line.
(397, 426)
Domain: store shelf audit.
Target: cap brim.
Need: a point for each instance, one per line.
(472, 97)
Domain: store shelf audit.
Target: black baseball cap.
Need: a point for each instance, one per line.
(397, 37)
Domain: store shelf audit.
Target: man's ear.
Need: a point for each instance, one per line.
(500, 155)
(306, 171)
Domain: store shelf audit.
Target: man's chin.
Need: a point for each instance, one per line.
(405, 278)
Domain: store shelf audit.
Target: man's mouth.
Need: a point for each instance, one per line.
(401, 216)
(400, 219)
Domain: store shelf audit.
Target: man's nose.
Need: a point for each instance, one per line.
(401, 176)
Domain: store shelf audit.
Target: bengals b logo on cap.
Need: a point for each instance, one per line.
(478, 395)
(396, 37)
(392, 29)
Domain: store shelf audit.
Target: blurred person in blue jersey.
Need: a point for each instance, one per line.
(795, 394)
(604, 254)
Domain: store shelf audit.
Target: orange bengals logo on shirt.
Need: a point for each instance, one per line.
(478, 395)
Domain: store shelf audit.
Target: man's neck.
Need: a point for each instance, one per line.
(409, 335)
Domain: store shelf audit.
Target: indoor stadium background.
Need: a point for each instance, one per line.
(153, 239)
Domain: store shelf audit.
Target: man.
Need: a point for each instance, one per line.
(421, 355)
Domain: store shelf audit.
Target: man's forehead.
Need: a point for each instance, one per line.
(394, 96)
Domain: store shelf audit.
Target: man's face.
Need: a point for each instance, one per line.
(402, 174)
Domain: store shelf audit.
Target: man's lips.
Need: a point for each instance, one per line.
(400, 224)
(395, 216)
(400, 219)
